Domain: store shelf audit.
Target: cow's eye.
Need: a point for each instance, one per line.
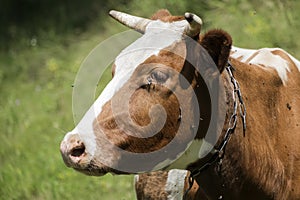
(159, 76)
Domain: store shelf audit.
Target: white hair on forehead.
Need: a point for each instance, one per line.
(140, 24)
(158, 36)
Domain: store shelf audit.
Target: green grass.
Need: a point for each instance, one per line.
(31, 165)
(35, 114)
(36, 93)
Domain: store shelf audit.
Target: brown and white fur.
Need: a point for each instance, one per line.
(263, 164)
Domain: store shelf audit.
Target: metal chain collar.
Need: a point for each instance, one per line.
(219, 152)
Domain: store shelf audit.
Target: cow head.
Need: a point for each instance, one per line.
(148, 114)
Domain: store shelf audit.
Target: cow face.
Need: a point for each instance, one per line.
(146, 116)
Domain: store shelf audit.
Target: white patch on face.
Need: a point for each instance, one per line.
(264, 57)
(158, 35)
(175, 184)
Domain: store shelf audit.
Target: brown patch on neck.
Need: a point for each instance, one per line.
(262, 161)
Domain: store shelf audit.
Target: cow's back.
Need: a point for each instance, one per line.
(269, 153)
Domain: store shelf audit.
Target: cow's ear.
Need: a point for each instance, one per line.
(218, 44)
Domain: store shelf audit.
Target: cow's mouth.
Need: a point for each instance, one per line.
(92, 170)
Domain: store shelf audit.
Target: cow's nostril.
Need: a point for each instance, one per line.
(78, 151)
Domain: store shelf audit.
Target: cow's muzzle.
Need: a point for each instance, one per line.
(74, 152)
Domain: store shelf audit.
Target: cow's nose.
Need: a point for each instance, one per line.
(73, 151)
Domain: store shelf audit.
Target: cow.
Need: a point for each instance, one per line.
(174, 86)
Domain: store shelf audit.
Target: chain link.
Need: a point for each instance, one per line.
(218, 155)
(237, 95)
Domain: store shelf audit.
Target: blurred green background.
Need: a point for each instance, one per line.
(42, 44)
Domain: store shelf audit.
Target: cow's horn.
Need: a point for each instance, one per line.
(137, 23)
(195, 24)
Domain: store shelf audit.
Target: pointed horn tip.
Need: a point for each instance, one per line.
(113, 13)
(137, 23)
(190, 17)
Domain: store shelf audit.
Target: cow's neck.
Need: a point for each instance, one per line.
(206, 141)
(211, 176)
(201, 147)
(230, 181)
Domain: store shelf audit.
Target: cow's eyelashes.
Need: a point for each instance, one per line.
(156, 77)
(159, 76)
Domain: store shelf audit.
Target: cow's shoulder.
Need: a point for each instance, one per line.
(268, 58)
